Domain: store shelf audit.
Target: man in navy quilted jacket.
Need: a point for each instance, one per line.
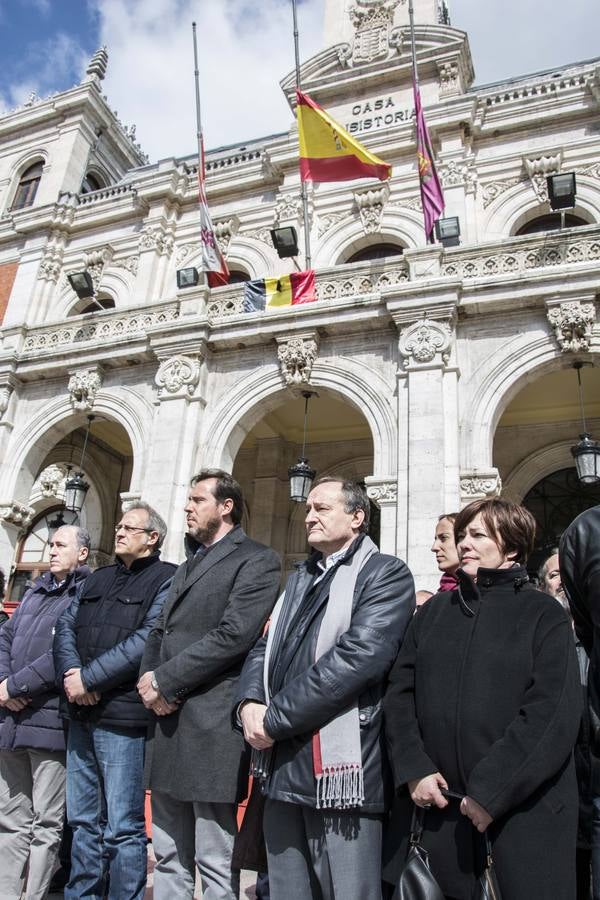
(32, 742)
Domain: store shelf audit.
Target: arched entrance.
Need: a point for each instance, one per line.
(532, 450)
(339, 442)
(107, 468)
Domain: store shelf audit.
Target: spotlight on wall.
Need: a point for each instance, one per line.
(285, 241)
(562, 190)
(301, 476)
(82, 284)
(76, 487)
(586, 453)
(447, 231)
(187, 277)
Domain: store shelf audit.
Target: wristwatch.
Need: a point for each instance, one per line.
(154, 684)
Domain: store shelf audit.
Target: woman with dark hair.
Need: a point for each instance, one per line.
(444, 548)
(484, 700)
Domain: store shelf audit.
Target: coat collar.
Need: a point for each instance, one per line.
(138, 564)
(216, 553)
(470, 593)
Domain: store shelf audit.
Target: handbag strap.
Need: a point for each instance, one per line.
(416, 825)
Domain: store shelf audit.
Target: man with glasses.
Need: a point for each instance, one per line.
(98, 647)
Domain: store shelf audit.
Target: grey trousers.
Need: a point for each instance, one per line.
(322, 854)
(32, 811)
(189, 834)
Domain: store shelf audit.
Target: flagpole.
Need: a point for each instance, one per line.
(411, 18)
(198, 116)
(303, 191)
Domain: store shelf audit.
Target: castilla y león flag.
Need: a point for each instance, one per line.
(287, 290)
(213, 261)
(432, 197)
(327, 152)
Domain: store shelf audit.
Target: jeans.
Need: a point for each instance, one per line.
(105, 809)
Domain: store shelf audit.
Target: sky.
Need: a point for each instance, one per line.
(245, 49)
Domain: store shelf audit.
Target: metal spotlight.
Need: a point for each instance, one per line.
(187, 277)
(562, 190)
(285, 241)
(82, 284)
(447, 231)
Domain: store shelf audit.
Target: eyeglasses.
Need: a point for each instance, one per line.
(129, 529)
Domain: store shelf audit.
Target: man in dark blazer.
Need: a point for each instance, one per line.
(216, 609)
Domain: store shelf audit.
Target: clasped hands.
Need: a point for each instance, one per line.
(76, 690)
(252, 716)
(153, 699)
(15, 704)
(427, 792)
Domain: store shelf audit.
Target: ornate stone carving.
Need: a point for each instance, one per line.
(385, 492)
(421, 341)
(157, 238)
(572, 321)
(372, 20)
(14, 513)
(177, 375)
(224, 231)
(324, 223)
(130, 263)
(117, 326)
(5, 392)
(449, 80)
(51, 480)
(260, 234)
(344, 54)
(296, 358)
(409, 203)
(478, 484)
(95, 262)
(493, 189)
(370, 206)
(83, 387)
(538, 170)
(539, 253)
(459, 172)
(288, 207)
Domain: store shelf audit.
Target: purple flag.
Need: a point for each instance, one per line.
(432, 197)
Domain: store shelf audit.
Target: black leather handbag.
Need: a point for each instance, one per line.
(416, 881)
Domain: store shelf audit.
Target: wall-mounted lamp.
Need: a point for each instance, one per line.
(187, 277)
(562, 190)
(447, 231)
(82, 284)
(285, 241)
(587, 452)
(301, 476)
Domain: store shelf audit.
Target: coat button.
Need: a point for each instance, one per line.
(362, 717)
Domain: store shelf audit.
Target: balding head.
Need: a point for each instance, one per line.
(69, 548)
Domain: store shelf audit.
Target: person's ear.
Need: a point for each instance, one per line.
(83, 554)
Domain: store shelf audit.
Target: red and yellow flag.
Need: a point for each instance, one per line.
(327, 152)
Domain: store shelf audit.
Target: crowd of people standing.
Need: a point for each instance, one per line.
(462, 720)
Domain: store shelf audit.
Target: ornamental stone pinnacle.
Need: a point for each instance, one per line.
(297, 356)
(98, 64)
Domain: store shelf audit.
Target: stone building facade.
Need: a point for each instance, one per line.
(441, 374)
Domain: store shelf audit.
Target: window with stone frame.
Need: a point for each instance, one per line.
(27, 186)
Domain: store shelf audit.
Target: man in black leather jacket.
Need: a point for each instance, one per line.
(579, 556)
(317, 736)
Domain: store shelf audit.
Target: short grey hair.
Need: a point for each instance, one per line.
(155, 521)
(355, 497)
(82, 535)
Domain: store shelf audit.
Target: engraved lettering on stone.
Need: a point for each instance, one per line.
(572, 322)
(296, 359)
(178, 374)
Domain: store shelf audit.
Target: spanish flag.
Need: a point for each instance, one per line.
(327, 152)
(288, 290)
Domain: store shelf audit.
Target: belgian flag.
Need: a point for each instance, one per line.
(287, 290)
(327, 152)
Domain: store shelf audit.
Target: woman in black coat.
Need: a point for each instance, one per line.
(484, 699)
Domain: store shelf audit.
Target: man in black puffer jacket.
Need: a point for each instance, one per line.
(97, 649)
(32, 741)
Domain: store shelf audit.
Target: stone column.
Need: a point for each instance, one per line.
(428, 429)
(179, 404)
(384, 492)
(269, 507)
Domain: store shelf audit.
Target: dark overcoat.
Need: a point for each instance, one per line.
(486, 691)
(215, 611)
